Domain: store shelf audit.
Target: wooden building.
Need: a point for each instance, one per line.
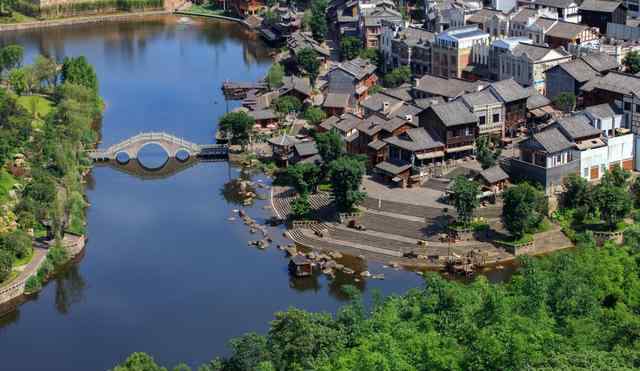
(300, 266)
(454, 125)
(597, 13)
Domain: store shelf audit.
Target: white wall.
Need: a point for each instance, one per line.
(594, 157)
(620, 148)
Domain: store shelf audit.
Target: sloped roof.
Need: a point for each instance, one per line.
(600, 6)
(616, 82)
(494, 174)
(296, 83)
(600, 61)
(603, 110)
(536, 100)
(265, 114)
(416, 139)
(534, 52)
(403, 92)
(481, 98)
(305, 149)
(555, 3)
(576, 127)
(509, 90)
(523, 15)
(284, 140)
(358, 67)
(566, 30)
(579, 70)
(453, 113)
(330, 122)
(336, 100)
(393, 167)
(375, 102)
(551, 140)
(449, 88)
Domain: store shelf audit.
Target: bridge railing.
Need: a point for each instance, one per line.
(150, 137)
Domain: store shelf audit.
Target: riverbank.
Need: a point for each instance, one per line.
(214, 16)
(80, 20)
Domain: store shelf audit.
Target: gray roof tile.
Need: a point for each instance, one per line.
(454, 113)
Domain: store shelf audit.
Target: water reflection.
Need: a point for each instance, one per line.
(170, 168)
(152, 156)
(70, 286)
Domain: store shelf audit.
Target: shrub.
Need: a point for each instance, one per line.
(33, 284)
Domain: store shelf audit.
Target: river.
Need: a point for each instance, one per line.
(165, 271)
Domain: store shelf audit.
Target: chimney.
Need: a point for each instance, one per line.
(385, 107)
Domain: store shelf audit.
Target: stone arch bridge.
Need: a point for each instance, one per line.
(169, 143)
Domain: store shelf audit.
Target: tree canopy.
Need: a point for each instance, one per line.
(632, 62)
(11, 57)
(287, 104)
(350, 47)
(275, 76)
(464, 195)
(397, 77)
(330, 146)
(308, 59)
(239, 125)
(524, 209)
(78, 71)
(314, 115)
(565, 101)
(303, 177)
(486, 154)
(318, 21)
(346, 176)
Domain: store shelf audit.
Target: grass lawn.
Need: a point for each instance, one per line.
(24, 261)
(325, 187)
(41, 105)
(11, 277)
(6, 183)
(512, 241)
(16, 17)
(205, 10)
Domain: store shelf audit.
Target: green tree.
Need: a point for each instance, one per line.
(18, 80)
(17, 242)
(314, 115)
(577, 192)
(346, 176)
(350, 47)
(330, 146)
(11, 57)
(397, 77)
(307, 58)
(249, 351)
(616, 177)
(524, 209)
(269, 17)
(486, 154)
(78, 71)
(464, 195)
(287, 104)
(635, 191)
(46, 71)
(307, 18)
(304, 177)
(318, 23)
(275, 76)
(565, 101)
(139, 362)
(632, 62)
(372, 54)
(301, 207)
(6, 262)
(614, 203)
(239, 125)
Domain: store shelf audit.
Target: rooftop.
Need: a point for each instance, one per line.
(550, 140)
(536, 52)
(284, 140)
(416, 139)
(600, 5)
(494, 174)
(616, 82)
(337, 100)
(358, 67)
(481, 98)
(305, 149)
(453, 113)
(449, 88)
(509, 90)
(579, 70)
(600, 62)
(576, 127)
(566, 30)
(604, 110)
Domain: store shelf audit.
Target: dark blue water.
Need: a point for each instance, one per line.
(165, 271)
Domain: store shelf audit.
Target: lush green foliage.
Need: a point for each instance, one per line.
(301, 207)
(464, 195)
(346, 176)
(308, 60)
(572, 310)
(239, 125)
(314, 115)
(6, 262)
(318, 21)
(275, 76)
(11, 57)
(350, 47)
(632, 62)
(373, 55)
(614, 202)
(303, 177)
(524, 209)
(486, 153)
(397, 77)
(330, 146)
(287, 104)
(565, 101)
(79, 72)
(18, 243)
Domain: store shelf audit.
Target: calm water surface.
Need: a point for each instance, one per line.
(165, 271)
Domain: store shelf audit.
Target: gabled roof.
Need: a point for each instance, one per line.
(600, 6)
(481, 98)
(484, 15)
(376, 102)
(536, 100)
(494, 174)
(265, 114)
(604, 110)
(359, 68)
(600, 62)
(336, 100)
(393, 167)
(616, 82)
(416, 139)
(414, 36)
(523, 15)
(305, 149)
(347, 122)
(576, 127)
(330, 122)
(453, 113)
(550, 140)
(536, 52)
(449, 88)
(509, 90)
(566, 30)
(295, 83)
(402, 92)
(300, 40)
(284, 140)
(579, 70)
(554, 3)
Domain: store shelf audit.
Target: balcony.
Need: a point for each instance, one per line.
(489, 128)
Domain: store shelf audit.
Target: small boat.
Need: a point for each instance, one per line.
(184, 20)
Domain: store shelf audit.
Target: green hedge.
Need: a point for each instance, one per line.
(87, 7)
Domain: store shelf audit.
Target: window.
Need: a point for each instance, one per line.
(496, 117)
(603, 168)
(585, 172)
(481, 120)
(637, 108)
(627, 106)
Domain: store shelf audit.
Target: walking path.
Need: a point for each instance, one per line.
(79, 20)
(16, 287)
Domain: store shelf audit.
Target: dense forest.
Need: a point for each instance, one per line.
(48, 112)
(574, 310)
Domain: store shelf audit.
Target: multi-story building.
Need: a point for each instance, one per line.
(410, 46)
(454, 125)
(371, 23)
(597, 13)
(532, 24)
(455, 49)
(494, 22)
(566, 10)
(489, 110)
(352, 79)
(527, 64)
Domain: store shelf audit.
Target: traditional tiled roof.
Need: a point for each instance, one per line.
(550, 140)
(347, 122)
(336, 100)
(402, 92)
(377, 144)
(576, 127)
(305, 149)
(534, 52)
(329, 123)
(265, 114)
(600, 5)
(481, 98)
(616, 82)
(393, 167)
(284, 140)
(536, 100)
(579, 70)
(604, 110)
(600, 62)
(523, 15)
(494, 174)
(414, 36)
(300, 40)
(566, 30)
(555, 3)
(449, 88)
(375, 102)
(484, 15)
(358, 68)
(453, 113)
(301, 85)
(509, 90)
(417, 139)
